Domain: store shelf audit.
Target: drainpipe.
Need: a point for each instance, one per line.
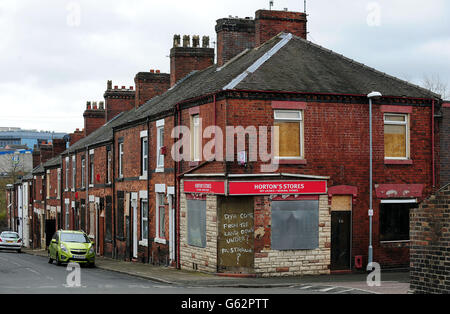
(433, 144)
(178, 205)
(148, 191)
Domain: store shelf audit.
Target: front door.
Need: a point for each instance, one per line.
(341, 217)
(235, 238)
(134, 197)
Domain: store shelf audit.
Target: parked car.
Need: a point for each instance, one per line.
(71, 246)
(10, 240)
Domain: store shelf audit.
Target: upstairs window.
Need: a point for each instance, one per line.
(83, 171)
(120, 160)
(144, 155)
(91, 169)
(159, 144)
(396, 137)
(109, 166)
(74, 172)
(195, 138)
(289, 138)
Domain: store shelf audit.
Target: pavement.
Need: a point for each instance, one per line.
(392, 281)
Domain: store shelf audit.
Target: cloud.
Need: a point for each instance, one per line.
(56, 55)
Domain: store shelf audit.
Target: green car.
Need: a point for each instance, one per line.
(71, 246)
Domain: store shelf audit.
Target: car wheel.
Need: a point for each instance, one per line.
(57, 260)
(92, 265)
(19, 251)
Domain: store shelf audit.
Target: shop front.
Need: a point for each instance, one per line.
(255, 226)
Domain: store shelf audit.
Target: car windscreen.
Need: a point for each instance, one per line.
(74, 237)
(9, 235)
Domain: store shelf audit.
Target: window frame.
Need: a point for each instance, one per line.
(120, 152)
(83, 173)
(405, 123)
(195, 137)
(74, 172)
(300, 121)
(144, 221)
(91, 169)
(144, 156)
(411, 203)
(159, 145)
(159, 206)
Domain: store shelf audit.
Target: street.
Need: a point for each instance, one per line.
(24, 273)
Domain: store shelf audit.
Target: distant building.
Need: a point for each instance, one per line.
(16, 159)
(17, 136)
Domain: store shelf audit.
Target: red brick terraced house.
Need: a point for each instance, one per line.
(289, 194)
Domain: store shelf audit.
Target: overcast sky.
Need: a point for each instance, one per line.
(58, 54)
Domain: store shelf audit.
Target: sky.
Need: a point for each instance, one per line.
(55, 55)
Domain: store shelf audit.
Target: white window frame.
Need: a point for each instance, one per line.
(160, 191)
(195, 137)
(406, 123)
(67, 175)
(159, 156)
(277, 118)
(144, 240)
(144, 155)
(120, 160)
(74, 172)
(83, 173)
(109, 160)
(91, 169)
(58, 195)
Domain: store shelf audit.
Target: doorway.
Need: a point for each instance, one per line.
(341, 228)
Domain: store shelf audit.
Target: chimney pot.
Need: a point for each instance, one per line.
(176, 40)
(94, 105)
(131, 87)
(102, 105)
(116, 87)
(186, 41)
(88, 105)
(109, 85)
(205, 41)
(195, 41)
(152, 71)
(123, 87)
(158, 71)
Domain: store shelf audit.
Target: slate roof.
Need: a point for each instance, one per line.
(291, 64)
(54, 162)
(38, 170)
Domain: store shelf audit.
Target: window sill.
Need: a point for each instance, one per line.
(159, 170)
(398, 161)
(144, 177)
(143, 243)
(160, 241)
(292, 161)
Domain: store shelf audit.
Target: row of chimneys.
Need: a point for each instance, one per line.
(45, 151)
(234, 35)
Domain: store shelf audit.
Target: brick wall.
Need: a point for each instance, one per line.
(94, 117)
(118, 100)
(430, 250)
(149, 85)
(202, 259)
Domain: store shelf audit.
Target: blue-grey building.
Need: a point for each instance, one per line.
(17, 136)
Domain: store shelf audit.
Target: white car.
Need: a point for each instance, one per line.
(10, 240)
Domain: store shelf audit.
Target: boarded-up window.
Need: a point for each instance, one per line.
(196, 216)
(295, 225)
(396, 136)
(289, 137)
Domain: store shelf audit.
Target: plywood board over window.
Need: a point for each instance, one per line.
(396, 136)
(289, 139)
(341, 203)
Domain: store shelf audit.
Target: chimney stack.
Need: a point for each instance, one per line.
(93, 118)
(184, 60)
(149, 85)
(269, 23)
(117, 101)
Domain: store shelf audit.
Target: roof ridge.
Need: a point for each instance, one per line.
(352, 61)
(285, 38)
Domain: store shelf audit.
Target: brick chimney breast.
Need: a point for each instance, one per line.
(184, 60)
(269, 23)
(234, 35)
